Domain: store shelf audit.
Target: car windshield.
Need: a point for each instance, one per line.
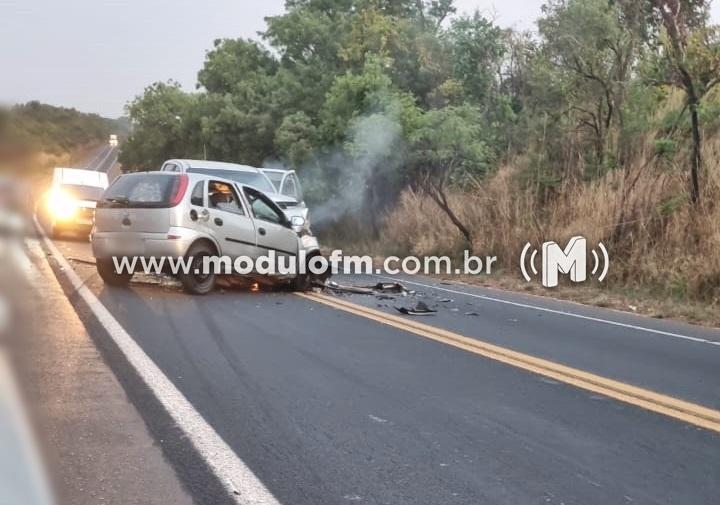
(79, 192)
(276, 178)
(253, 179)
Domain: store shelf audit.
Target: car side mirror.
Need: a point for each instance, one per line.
(297, 221)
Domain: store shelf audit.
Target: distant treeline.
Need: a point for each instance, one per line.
(35, 126)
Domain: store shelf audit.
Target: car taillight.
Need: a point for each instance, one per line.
(180, 190)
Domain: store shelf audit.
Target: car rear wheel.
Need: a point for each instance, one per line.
(195, 281)
(107, 272)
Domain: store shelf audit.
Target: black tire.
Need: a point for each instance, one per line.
(107, 272)
(301, 283)
(197, 283)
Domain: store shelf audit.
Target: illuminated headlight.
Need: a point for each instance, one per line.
(62, 206)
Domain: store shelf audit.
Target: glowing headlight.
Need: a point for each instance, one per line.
(61, 205)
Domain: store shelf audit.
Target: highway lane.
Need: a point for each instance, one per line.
(682, 360)
(327, 407)
(104, 159)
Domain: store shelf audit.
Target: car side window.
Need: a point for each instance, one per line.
(222, 196)
(262, 209)
(198, 195)
(170, 167)
(289, 187)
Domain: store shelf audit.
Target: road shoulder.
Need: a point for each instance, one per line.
(97, 445)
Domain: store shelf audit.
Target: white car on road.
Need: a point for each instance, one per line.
(69, 204)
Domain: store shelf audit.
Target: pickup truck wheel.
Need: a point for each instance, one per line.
(107, 272)
(195, 281)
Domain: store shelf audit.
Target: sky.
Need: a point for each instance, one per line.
(96, 55)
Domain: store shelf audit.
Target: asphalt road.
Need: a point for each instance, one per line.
(104, 159)
(325, 406)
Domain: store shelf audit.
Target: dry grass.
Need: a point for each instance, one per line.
(660, 245)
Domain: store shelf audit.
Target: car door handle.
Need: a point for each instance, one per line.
(262, 231)
(218, 221)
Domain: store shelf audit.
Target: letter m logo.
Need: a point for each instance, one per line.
(573, 261)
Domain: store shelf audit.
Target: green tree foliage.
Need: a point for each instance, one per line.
(365, 97)
(690, 60)
(446, 149)
(164, 125)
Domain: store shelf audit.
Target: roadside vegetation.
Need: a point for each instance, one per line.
(427, 132)
(34, 137)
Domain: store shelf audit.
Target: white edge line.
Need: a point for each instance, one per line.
(564, 313)
(96, 158)
(99, 165)
(235, 476)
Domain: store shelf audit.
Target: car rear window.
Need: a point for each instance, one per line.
(253, 179)
(146, 190)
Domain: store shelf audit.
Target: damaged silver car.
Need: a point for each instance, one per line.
(194, 216)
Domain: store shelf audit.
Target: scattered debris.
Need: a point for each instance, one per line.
(389, 287)
(338, 288)
(385, 297)
(381, 289)
(473, 314)
(420, 309)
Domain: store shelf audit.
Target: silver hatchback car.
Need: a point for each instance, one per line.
(193, 216)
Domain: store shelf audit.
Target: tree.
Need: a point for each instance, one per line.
(236, 62)
(691, 61)
(476, 52)
(584, 62)
(446, 151)
(162, 127)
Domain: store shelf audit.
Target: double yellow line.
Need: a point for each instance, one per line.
(649, 400)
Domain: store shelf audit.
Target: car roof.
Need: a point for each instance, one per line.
(278, 170)
(194, 178)
(214, 165)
